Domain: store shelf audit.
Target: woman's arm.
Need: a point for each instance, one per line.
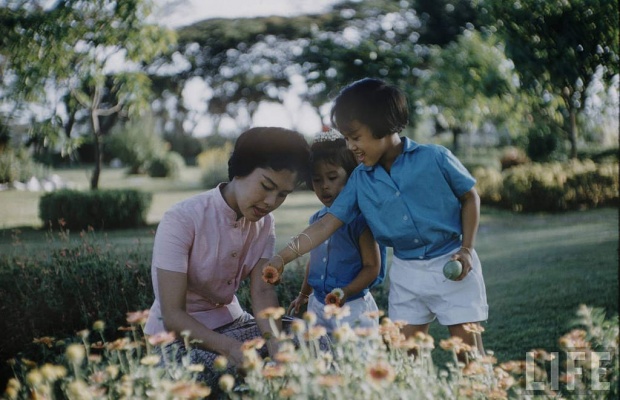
(470, 219)
(172, 296)
(371, 265)
(263, 295)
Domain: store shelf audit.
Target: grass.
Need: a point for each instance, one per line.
(538, 267)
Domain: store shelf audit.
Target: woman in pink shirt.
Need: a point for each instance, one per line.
(206, 245)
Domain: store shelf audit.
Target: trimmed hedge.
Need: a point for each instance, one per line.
(99, 209)
(550, 187)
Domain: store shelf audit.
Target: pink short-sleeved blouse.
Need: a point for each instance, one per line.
(203, 238)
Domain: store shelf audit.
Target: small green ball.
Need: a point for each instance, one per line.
(452, 269)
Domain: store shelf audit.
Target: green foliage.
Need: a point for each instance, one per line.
(214, 164)
(136, 144)
(167, 166)
(17, 165)
(61, 289)
(99, 209)
(550, 187)
(186, 145)
(541, 144)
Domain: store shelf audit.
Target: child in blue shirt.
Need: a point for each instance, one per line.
(418, 199)
(350, 262)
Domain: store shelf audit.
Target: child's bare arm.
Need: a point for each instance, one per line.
(371, 265)
(470, 218)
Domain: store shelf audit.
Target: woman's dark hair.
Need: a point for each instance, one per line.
(269, 147)
(333, 152)
(372, 102)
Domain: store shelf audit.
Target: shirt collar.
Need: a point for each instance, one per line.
(408, 146)
(322, 211)
(226, 210)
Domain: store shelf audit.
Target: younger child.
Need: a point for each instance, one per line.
(350, 261)
(418, 199)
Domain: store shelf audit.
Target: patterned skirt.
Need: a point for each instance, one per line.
(242, 329)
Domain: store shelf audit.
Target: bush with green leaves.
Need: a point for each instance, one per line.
(99, 209)
(168, 165)
(66, 284)
(17, 165)
(550, 187)
(214, 164)
(136, 144)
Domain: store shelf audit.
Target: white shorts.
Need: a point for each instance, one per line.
(419, 293)
(356, 319)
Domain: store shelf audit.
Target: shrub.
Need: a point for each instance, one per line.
(109, 209)
(17, 165)
(560, 186)
(166, 166)
(489, 184)
(541, 144)
(136, 144)
(67, 285)
(512, 157)
(214, 164)
(186, 145)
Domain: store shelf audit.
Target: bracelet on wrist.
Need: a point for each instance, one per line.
(307, 296)
(468, 250)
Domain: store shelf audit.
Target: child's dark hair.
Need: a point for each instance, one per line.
(372, 102)
(269, 147)
(333, 152)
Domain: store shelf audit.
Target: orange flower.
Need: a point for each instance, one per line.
(45, 340)
(381, 372)
(162, 338)
(332, 299)
(272, 312)
(271, 275)
(137, 317)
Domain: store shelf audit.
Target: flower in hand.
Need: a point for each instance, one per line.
(335, 297)
(271, 274)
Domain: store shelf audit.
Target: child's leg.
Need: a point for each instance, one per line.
(411, 330)
(474, 339)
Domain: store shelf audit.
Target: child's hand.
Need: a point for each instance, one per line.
(464, 256)
(296, 304)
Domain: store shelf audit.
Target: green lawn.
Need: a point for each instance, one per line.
(538, 267)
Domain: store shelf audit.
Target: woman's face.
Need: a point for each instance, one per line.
(261, 192)
(327, 181)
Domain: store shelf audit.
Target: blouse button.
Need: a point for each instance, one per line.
(233, 254)
(229, 282)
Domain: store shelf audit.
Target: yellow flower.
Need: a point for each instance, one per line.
(34, 378)
(310, 317)
(330, 380)
(274, 371)
(45, 340)
(195, 368)
(75, 353)
(473, 328)
(253, 344)
(335, 311)
(52, 372)
(189, 390)
(227, 382)
(150, 360)
(99, 326)
(298, 326)
(220, 363)
(272, 312)
(343, 334)
(315, 333)
(162, 338)
(288, 392)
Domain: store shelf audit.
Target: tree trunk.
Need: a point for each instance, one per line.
(573, 133)
(94, 180)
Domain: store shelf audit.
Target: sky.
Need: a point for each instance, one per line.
(292, 114)
(190, 11)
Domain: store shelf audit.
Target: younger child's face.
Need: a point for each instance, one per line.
(327, 181)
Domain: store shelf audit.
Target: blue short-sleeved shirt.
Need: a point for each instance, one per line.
(415, 208)
(337, 261)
